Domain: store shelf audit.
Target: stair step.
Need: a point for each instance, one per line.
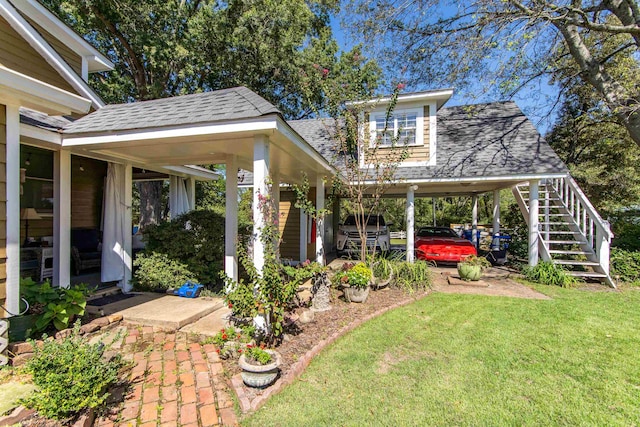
(587, 274)
(559, 251)
(556, 223)
(574, 262)
(565, 242)
(562, 232)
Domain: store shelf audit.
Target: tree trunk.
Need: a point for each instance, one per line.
(150, 202)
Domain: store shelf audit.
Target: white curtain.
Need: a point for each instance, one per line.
(178, 197)
(114, 228)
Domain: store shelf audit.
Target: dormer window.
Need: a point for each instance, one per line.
(405, 125)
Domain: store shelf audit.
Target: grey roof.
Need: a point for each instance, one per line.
(43, 121)
(226, 104)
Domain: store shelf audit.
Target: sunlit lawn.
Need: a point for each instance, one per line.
(474, 360)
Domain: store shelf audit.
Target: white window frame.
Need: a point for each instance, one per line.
(382, 115)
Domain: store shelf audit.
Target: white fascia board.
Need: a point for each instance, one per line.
(54, 26)
(195, 171)
(40, 134)
(37, 42)
(41, 96)
(286, 130)
(265, 124)
(510, 178)
(441, 96)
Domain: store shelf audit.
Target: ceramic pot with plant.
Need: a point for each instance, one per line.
(472, 267)
(260, 367)
(356, 281)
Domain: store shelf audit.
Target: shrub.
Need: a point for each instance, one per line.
(411, 276)
(195, 239)
(548, 273)
(625, 265)
(256, 355)
(157, 272)
(54, 305)
(71, 375)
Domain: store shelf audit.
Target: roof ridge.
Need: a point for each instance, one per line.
(188, 95)
(242, 93)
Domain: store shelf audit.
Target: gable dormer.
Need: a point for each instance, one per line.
(413, 122)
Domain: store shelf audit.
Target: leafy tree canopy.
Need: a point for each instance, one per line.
(508, 44)
(165, 48)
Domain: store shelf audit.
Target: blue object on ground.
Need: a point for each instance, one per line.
(189, 290)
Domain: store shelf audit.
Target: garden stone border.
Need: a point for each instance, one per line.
(22, 351)
(298, 368)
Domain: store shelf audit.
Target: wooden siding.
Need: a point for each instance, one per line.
(16, 54)
(3, 205)
(289, 226)
(73, 59)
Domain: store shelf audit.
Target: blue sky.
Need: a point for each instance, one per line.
(529, 99)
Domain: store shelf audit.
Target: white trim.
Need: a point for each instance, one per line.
(36, 41)
(33, 93)
(47, 20)
(40, 134)
(265, 124)
(442, 95)
(12, 224)
(433, 133)
(62, 218)
(194, 171)
(511, 178)
(286, 130)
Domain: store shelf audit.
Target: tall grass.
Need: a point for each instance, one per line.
(548, 273)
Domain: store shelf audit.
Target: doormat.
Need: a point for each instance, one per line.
(108, 299)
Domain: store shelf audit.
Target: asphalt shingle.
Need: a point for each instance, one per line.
(208, 107)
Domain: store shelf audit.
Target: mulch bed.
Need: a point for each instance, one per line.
(301, 338)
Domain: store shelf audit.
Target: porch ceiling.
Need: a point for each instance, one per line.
(206, 144)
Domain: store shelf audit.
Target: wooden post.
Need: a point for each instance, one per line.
(231, 220)
(533, 223)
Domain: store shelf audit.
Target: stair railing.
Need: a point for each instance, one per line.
(596, 230)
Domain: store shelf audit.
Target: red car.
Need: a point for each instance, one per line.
(442, 244)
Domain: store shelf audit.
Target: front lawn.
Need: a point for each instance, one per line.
(475, 360)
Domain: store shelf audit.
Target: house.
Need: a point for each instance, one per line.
(73, 159)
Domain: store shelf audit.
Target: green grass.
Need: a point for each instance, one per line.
(475, 360)
(398, 241)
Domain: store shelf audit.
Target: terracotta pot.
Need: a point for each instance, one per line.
(469, 272)
(352, 294)
(260, 376)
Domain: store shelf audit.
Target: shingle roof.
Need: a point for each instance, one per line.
(43, 121)
(226, 104)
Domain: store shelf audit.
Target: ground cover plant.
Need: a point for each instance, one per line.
(476, 360)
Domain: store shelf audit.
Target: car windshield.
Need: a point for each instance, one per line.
(436, 232)
(373, 220)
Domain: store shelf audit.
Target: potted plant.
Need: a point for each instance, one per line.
(260, 367)
(471, 268)
(356, 281)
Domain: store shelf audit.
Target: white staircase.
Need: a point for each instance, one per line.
(570, 231)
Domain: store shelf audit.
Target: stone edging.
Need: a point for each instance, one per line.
(299, 367)
(20, 352)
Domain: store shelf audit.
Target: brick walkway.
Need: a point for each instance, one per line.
(173, 383)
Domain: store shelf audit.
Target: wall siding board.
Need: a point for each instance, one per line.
(16, 54)
(73, 59)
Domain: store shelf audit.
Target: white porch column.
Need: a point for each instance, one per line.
(275, 193)
(13, 209)
(474, 220)
(62, 218)
(496, 212)
(126, 285)
(533, 223)
(191, 193)
(303, 236)
(433, 205)
(320, 258)
(411, 256)
(231, 220)
(260, 176)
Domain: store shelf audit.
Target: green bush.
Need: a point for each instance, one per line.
(54, 305)
(411, 276)
(195, 239)
(625, 265)
(548, 273)
(158, 272)
(71, 375)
